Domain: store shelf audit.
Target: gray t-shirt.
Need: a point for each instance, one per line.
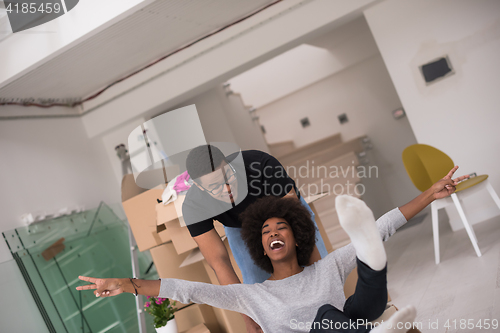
(288, 305)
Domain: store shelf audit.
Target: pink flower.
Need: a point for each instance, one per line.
(148, 297)
(146, 304)
(158, 302)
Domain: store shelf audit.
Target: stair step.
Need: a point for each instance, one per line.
(280, 149)
(331, 152)
(312, 148)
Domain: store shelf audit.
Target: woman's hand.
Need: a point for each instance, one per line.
(104, 287)
(447, 185)
(441, 189)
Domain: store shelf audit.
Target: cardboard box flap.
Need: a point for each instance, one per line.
(170, 212)
(181, 237)
(195, 256)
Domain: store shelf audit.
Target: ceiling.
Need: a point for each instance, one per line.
(126, 46)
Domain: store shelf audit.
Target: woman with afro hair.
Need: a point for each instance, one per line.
(298, 298)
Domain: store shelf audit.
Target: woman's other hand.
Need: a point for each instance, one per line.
(104, 287)
(447, 185)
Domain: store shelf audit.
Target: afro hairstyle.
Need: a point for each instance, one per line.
(293, 212)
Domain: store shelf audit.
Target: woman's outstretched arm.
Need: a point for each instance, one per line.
(234, 297)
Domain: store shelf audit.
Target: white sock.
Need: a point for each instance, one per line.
(403, 316)
(358, 221)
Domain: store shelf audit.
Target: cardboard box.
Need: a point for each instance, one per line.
(181, 238)
(167, 262)
(190, 318)
(139, 206)
(198, 329)
(129, 188)
(170, 212)
(169, 217)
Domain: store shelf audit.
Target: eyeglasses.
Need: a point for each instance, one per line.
(230, 179)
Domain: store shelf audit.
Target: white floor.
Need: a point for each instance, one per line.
(462, 286)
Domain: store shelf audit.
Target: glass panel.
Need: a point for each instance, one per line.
(95, 244)
(18, 311)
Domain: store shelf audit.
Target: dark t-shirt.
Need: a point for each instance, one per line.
(264, 176)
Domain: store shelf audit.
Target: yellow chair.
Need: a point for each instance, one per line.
(426, 165)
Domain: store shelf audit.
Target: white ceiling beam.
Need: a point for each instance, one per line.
(24, 51)
(217, 58)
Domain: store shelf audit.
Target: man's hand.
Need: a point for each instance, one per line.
(251, 325)
(447, 185)
(104, 287)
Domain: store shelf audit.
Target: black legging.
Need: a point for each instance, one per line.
(367, 303)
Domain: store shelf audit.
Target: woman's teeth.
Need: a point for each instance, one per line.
(277, 244)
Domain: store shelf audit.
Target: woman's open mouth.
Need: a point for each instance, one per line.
(276, 245)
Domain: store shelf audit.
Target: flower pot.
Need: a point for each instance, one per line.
(171, 327)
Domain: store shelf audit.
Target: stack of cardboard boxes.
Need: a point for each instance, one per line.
(160, 229)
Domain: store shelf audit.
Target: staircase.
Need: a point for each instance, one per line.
(326, 166)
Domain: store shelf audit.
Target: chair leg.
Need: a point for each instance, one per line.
(493, 194)
(470, 232)
(435, 231)
(473, 234)
(471, 229)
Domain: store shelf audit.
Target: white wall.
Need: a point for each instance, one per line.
(114, 138)
(49, 164)
(246, 131)
(459, 115)
(306, 64)
(224, 119)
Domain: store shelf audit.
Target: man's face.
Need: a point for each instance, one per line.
(220, 184)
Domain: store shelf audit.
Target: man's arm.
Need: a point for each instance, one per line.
(215, 253)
